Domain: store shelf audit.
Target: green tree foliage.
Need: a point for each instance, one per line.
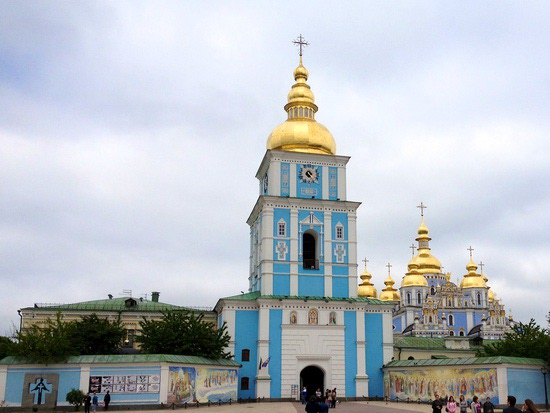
(58, 340)
(185, 333)
(75, 397)
(7, 347)
(94, 335)
(525, 340)
(48, 344)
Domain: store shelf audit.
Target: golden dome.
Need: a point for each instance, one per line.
(490, 295)
(426, 262)
(301, 132)
(472, 279)
(413, 278)
(389, 293)
(366, 288)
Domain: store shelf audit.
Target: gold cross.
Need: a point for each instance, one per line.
(301, 43)
(413, 247)
(481, 266)
(422, 208)
(470, 249)
(365, 261)
(389, 267)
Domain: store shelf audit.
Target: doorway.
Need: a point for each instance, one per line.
(312, 378)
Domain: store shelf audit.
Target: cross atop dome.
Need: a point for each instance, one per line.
(301, 43)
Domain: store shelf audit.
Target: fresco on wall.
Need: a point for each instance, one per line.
(189, 385)
(216, 384)
(423, 384)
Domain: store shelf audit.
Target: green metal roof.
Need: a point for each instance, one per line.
(253, 296)
(466, 361)
(427, 343)
(133, 358)
(113, 304)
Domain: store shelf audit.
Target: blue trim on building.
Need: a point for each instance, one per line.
(275, 345)
(285, 179)
(246, 337)
(332, 183)
(311, 285)
(350, 346)
(374, 353)
(340, 287)
(281, 284)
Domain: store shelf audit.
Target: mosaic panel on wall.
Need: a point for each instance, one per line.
(189, 385)
(423, 384)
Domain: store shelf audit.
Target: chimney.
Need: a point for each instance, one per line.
(155, 296)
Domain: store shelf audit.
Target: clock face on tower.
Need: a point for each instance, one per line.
(309, 174)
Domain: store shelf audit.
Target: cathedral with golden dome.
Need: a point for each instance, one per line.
(429, 304)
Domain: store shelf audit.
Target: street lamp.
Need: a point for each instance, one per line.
(544, 370)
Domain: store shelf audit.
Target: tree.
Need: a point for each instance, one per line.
(184, 332)
(75, 397)
(94, 335)
(47, 344)
(7, 347)
(525, 340)
(58, 340)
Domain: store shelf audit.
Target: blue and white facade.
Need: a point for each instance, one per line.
(301, 323)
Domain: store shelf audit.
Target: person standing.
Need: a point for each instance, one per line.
(463, 404)
(436, 404)
(304, 395)
(511, 403)
(312, 406)
(323, 406)
(451, 405)
(106, 401)
(87, 402)
(333, 398)
(95, 402)
(475, 407)
(488, 407)
(529, 407)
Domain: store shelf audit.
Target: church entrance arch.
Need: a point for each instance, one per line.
(312, 378)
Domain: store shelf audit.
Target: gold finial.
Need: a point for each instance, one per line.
(413, 247)
(301, 43)
(389, 268)
(422, 208)
(470, 249)
(365, 261)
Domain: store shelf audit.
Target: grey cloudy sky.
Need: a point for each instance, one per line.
(131, 132)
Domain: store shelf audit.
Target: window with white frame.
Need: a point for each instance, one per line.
(339, 231)
(281, 228)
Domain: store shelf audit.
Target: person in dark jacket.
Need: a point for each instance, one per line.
(87, 402)
(106, 401)
(511, 402)
(312, 406)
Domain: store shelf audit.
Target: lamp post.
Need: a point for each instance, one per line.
(544, 370)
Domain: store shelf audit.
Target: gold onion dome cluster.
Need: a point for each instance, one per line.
(366, 288)
(389, 293)
(472, 279)
(301, 132)
(426, 262)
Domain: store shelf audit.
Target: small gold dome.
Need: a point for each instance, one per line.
(472, 279)
(366, 288)
(301, 132)
(389, 293)
(413, 278)
(426, 262)
(490, 295)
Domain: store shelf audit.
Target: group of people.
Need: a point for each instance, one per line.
(93, 402)
(320, 403)
(475, 406)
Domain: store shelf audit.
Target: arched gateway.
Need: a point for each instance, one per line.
(312, 378)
